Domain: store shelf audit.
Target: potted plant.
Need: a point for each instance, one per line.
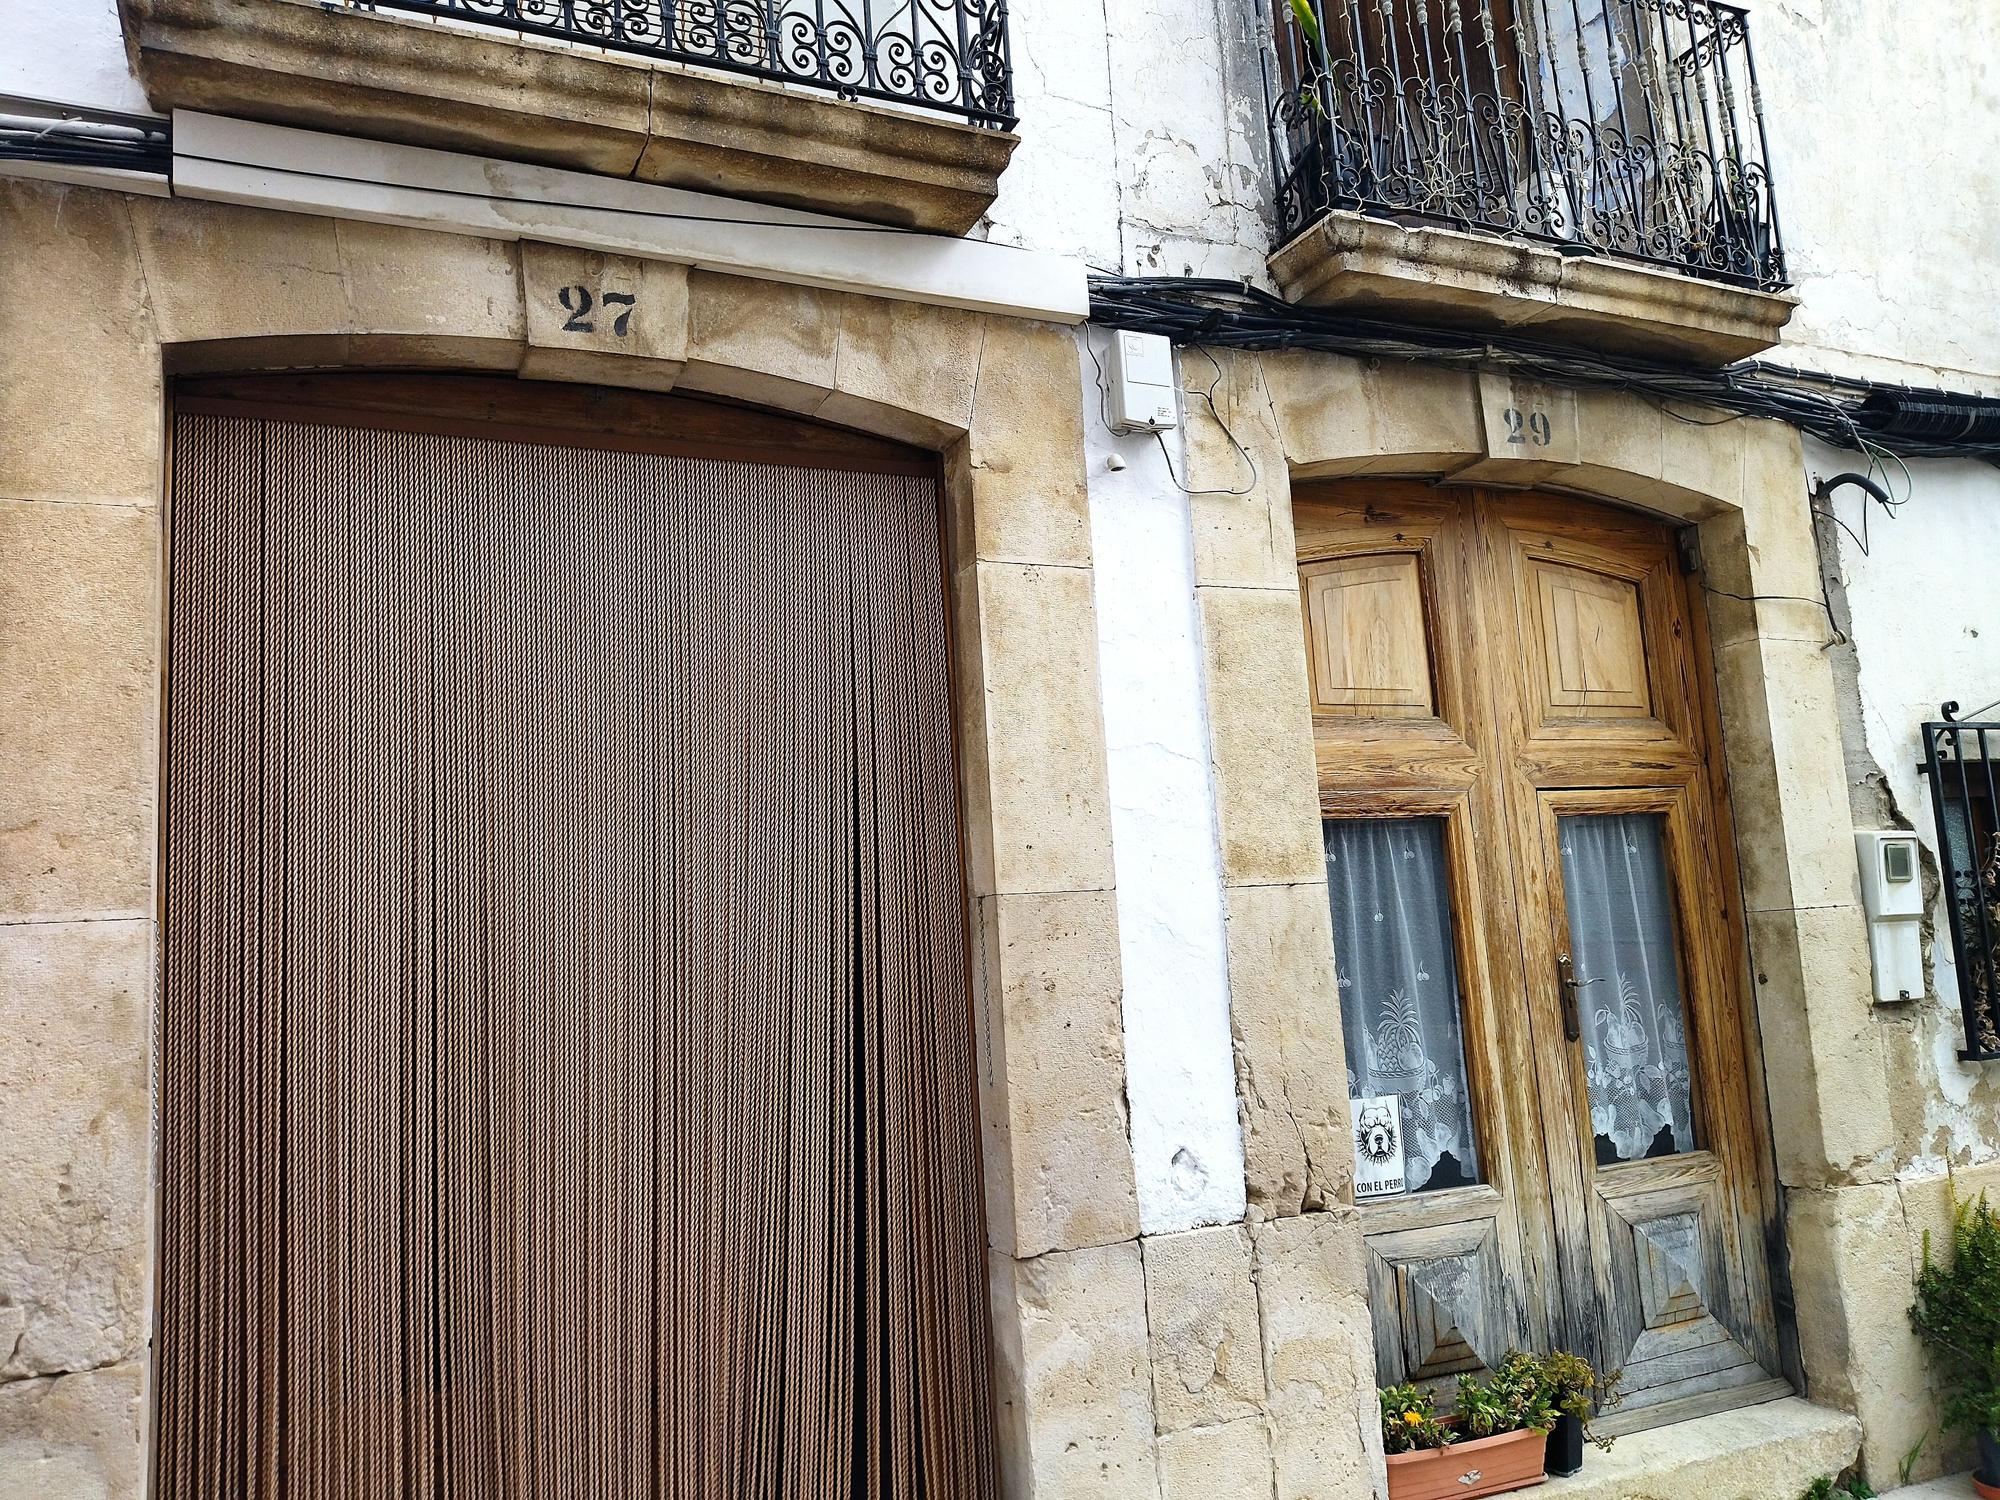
(1494, 1441)
(1957, 1315)
(1575, 1391)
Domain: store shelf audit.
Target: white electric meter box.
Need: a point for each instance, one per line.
(1143, 396)
(1892, 894)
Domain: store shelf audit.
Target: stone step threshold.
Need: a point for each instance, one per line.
(1767, 1452)
(1952, 1487)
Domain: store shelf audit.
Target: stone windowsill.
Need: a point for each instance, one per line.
(290, 62)
(1768, 1452)
(1477, 281)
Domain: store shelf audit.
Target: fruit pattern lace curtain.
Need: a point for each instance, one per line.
(566, 1069)
(1397, 974)
(1629, 1001)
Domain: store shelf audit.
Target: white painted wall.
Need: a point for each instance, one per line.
(1884, 120)
(1142, 137)
(67, 52)
(1885, 128)
(1924, 614)
(1180, 1077)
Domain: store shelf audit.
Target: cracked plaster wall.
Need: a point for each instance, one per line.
(1884, 122)
(1925, 627)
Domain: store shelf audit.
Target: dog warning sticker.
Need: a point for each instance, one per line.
(1378, 1146)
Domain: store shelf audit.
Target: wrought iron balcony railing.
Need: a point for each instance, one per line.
(1960, 761)
(950, 56)
(1621, 127)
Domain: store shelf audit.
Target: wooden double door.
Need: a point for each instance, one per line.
(1528, 860)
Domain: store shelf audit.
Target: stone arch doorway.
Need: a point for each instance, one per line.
(566, 1041)
(1528, 863)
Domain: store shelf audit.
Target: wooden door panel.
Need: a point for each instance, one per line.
(1681, 1328)
(1366, 626)
(1678, 1294)
(1593, 644)
(1458, 1249)
(1600, 665)
(1441, 1301)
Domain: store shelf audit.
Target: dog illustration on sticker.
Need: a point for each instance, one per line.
(1375, 1134)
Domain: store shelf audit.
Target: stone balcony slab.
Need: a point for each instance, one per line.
(1352, 263)
(418, 83)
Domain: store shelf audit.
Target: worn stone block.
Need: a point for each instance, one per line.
(80, 1437)
(1240, 539)
(1284, 1013)
(1320, 404)
(1037, 795)
(1702, 452)
(75, 1036)
(1074, 1397)
(1229, 1462)
(220, 271)
(1052, 1073)
(1024, 497)
(761, 342)
(1788, 782)
(905, 370)
(1824, 1068)
(80, 392)
(1783, 553)
(1201, 1315)
(79, 631)
(454, 288)
(603, 319)
(1266, 785)
(1853, 1258)
(1319, 1357)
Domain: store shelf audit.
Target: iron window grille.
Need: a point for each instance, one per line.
(1959, 764)
(1631, 128)
(950, 56)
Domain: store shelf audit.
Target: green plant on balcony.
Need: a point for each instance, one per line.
(1957, 1315)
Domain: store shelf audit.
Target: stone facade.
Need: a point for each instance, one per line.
(1108, 1345)
(1231, 1358)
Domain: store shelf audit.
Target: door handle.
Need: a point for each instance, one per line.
(1572, 1018)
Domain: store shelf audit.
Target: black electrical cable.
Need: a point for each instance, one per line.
(1859, 415)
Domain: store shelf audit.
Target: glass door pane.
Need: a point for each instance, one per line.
(1399, 998)
(1626, 969)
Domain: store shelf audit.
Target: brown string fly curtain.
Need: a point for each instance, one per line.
(566, 1060)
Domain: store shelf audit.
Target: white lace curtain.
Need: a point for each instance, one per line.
(1621, 924)
(1398, 977)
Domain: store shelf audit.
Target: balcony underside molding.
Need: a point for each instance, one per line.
(415, 83)
(1463, 280)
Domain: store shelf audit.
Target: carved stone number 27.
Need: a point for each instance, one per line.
(584, 308)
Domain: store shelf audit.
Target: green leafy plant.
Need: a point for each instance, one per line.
(1307, 19)
(1515, 1398)
(1523, 1392)
(1824, 1488)
(1574, 1389)
(1410, 1420)
(1957, 1315)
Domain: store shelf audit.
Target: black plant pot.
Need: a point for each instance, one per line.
(1566, 1446)
(1989, 1457)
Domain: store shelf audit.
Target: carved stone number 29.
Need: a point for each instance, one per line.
(584, 309)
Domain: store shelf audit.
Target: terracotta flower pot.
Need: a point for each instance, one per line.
(1483, 1466)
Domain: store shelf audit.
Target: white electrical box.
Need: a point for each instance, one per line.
(1892, 894)
(1143, 397)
